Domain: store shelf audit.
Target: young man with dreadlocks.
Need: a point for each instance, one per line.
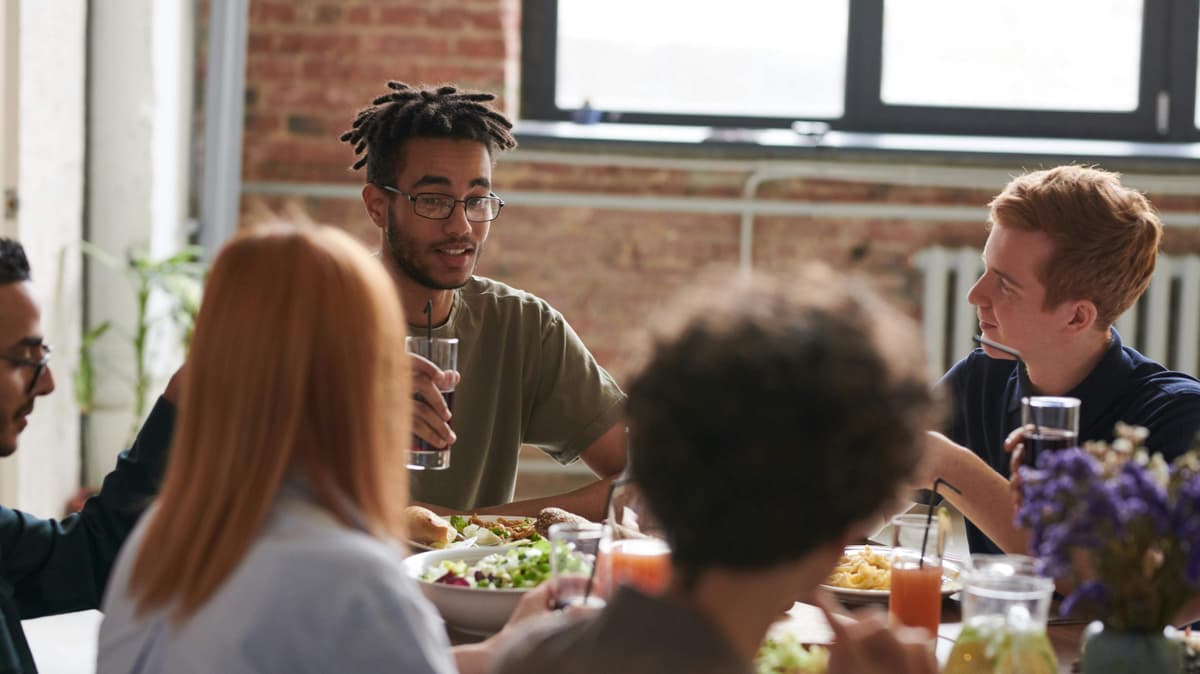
(47, 566)
(526, 376)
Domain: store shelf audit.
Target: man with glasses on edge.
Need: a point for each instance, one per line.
(526, 376)
(47, 566)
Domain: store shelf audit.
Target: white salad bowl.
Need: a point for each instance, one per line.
(480, 611)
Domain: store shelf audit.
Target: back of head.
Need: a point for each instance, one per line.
(776, 416)
(14, 266)
(296, 369)
(1105, 235)
(415, 112)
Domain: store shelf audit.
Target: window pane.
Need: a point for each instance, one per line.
(766, 59)
(1080, 55)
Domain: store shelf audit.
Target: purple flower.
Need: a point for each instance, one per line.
(1139, 542)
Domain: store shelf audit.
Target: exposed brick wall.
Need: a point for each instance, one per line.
(312, 65)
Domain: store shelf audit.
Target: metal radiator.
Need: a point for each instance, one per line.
(1164, 324)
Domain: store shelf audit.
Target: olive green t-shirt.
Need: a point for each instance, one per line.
(527, 378)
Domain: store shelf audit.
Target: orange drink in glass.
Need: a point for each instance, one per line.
(644, 563)
(916, 586)
(916, 597)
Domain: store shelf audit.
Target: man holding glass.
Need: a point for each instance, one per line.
(48, 566)
(524, 376)
(1069, 250)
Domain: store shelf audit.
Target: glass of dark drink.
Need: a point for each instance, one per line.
(442, 352)
(1050, 422)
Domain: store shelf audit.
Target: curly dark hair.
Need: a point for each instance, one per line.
(778, 415)
(379, 131)
(14, 266)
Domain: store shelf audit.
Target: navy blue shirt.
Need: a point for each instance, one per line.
(57, 566)
(1125, 386)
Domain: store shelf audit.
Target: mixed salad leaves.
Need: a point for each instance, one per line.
(785, 654)
(520, 567)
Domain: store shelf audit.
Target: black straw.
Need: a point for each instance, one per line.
(1022, 369)
(929, 516)
(429, 324)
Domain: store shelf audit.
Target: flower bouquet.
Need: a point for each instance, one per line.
(1120, 527)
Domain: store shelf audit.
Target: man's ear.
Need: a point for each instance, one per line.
(1083, 316)
(377, 202)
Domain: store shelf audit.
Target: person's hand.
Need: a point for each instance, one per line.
(537, 602)
(867, 646)
(1014, 444)
(431, 416)
(174, 386)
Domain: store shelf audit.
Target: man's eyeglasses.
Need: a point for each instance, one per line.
(39, 366)
(437, 206)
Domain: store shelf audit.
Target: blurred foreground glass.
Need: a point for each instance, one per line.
(574, 548)
(1051, 423)
(1004, 623)
(634, 550)
(915, 599)
(1017, 54)
(442, 352)
(1004, 565)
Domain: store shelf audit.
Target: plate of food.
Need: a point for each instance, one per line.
(864, 574)
(429, 531)
(476, 589)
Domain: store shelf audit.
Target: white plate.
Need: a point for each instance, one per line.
(458, 545)
(951, 568)
(474, 610)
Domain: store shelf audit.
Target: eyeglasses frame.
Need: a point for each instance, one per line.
(413, 198)
(39, 366)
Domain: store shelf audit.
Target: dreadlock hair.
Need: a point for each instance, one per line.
(14, 266)
(379, 132)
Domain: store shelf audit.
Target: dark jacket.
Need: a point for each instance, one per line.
(51, 566)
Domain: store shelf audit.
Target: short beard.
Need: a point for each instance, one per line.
(401, 252)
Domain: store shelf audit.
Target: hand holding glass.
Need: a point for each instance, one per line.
(1050, 422)
(442, 352)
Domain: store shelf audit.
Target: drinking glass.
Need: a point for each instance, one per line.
(442, 352)
(1050, 423)
(1004, 623)
(573, 551)
(634, 550)
(1004, 565)
(916, 593)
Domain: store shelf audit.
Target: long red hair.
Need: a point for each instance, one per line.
(297, 365)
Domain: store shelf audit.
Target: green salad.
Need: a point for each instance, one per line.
(525, 566)
(786, 655)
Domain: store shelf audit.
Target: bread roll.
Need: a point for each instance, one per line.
(426, 528)
(549, 516)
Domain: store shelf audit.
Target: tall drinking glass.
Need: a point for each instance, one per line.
(916, 594)
(442, 352)
(1050, 423)
(634, 549)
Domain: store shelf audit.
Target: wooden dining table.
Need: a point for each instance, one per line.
(807, 623)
